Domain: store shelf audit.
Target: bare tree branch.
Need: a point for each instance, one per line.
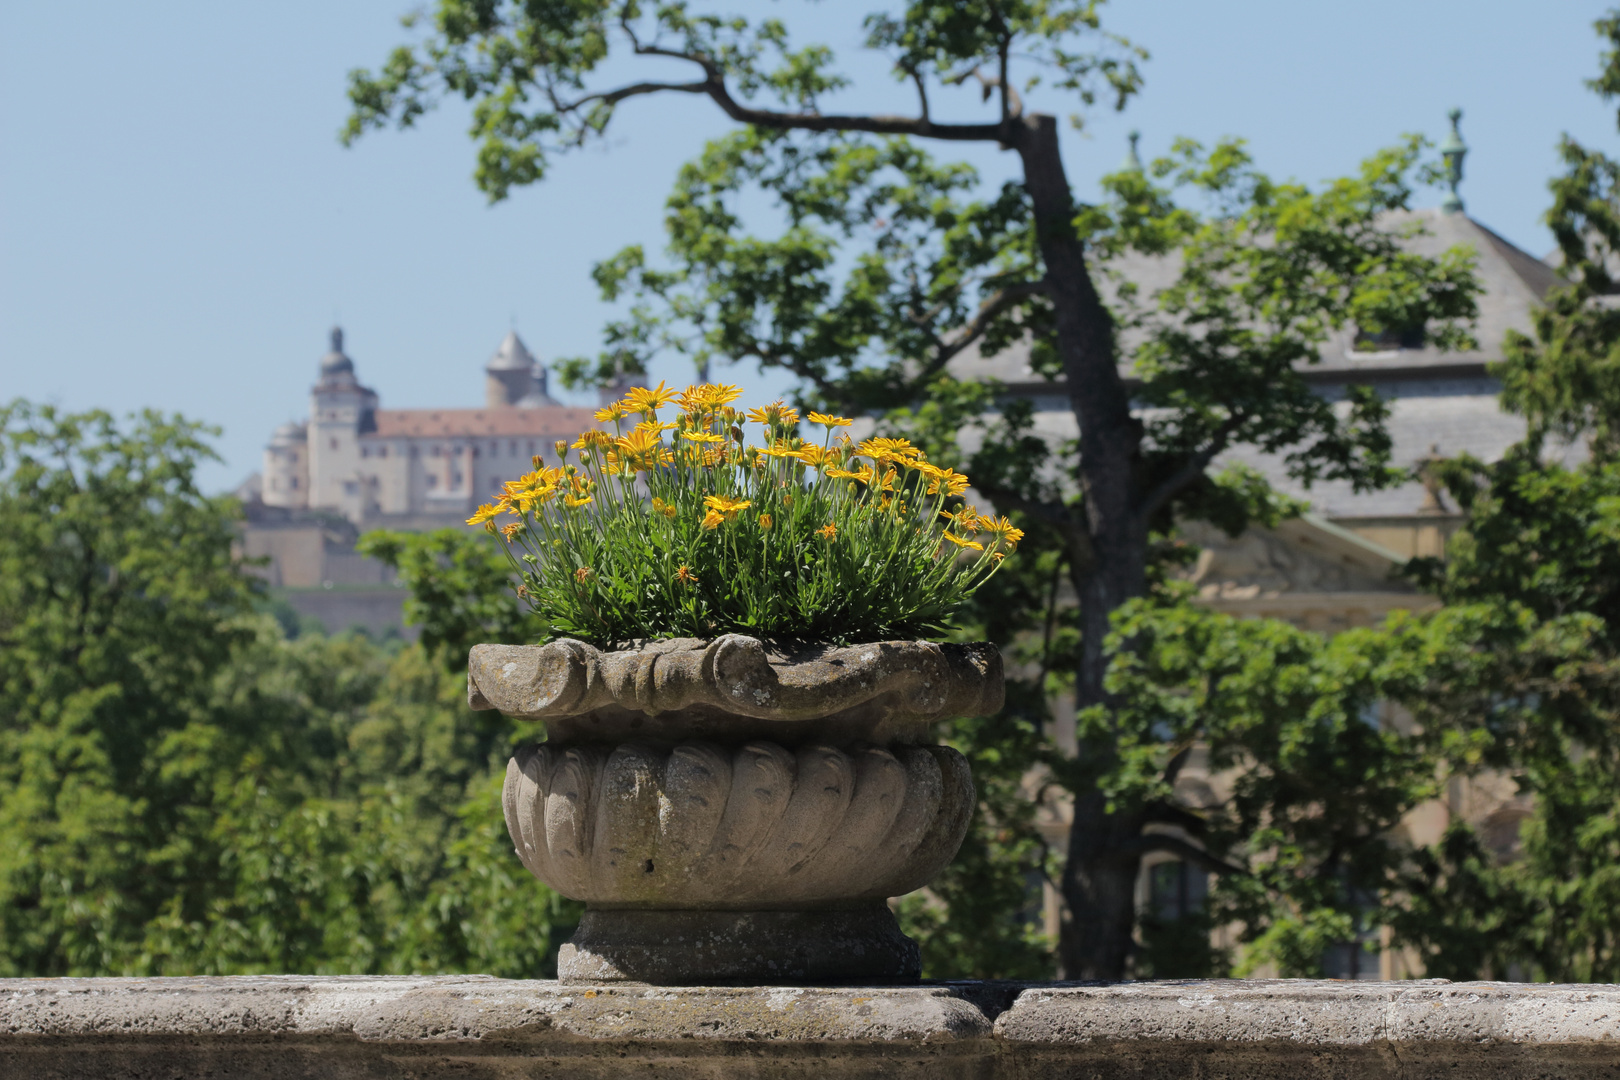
(1178, 759)
(974, 329)
(922, 92)
(1190, 852)
(1161, 812)
(1191, 469)
(714, 84)
(613, 97)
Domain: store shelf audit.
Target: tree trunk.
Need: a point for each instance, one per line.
(1099, 879)
(1099, 887)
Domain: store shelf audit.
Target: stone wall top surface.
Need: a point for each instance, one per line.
(479, 1026)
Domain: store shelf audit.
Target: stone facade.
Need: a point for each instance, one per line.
(352, 465)
(414, 468)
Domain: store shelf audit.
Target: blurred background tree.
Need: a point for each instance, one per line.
(837, 247)
(183, 789)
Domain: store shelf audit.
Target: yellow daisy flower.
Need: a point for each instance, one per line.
(642, 400)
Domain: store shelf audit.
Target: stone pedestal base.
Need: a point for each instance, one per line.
(861, 945)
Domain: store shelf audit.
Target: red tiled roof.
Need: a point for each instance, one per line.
(552, 421)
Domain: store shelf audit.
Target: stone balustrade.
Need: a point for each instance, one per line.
(477, 1027)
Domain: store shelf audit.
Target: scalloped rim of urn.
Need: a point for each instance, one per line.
(734, 686)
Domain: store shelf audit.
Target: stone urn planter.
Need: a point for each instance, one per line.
(732, 815)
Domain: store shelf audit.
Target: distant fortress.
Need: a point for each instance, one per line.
(413, 468)
(352, 466)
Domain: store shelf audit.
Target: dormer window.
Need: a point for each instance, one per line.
(1391, 339)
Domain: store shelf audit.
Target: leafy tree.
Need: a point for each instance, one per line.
(889, 264)
(460, 590)
(182, 789)
(1518, 674)
(118, 600)
(1307, 782)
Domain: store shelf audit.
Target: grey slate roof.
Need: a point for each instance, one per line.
(1439, 400)
(512, 355)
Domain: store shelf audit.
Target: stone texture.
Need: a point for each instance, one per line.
(734, 689)
(754, 827)
(859, 944)
(475, 1027)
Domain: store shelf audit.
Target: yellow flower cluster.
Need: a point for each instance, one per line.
(708, 435)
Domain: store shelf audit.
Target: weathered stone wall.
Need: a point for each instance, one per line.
(476, 1027)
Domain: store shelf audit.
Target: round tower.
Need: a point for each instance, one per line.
(286, 467)
(340, 411)
(509, 377)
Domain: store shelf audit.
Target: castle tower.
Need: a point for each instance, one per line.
(340, 411)
(286, 467)
(514, 378)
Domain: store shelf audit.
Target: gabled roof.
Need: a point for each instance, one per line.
(1514, 282)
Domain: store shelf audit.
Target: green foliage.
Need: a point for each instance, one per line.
(834, 247)
(1564, 378)
(1312, 784)
(185, 791)
(540, 75)
(1520, 674)
(1264, 275)
(460, 590)
(792, 540)
(981, 919)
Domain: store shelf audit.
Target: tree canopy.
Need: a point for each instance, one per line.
(183, 790)
(886, 263)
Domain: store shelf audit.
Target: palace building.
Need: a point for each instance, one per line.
(413, 468)
(353, 466)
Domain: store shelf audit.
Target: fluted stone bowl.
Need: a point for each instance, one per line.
(754, 827)
(732, 813)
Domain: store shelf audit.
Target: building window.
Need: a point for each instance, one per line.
(295, 483)
(435, 450)
(531, 448)
(382, 451)
(334, 443)
(432, 481)
(1357, 958)
(350, 487)
(455, 479)
(1177, 889)
(1404, 337)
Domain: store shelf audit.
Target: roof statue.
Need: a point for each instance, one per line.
(1453, 149)
(1132, 162)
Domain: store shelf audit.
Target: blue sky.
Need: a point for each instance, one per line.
(179, 226)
